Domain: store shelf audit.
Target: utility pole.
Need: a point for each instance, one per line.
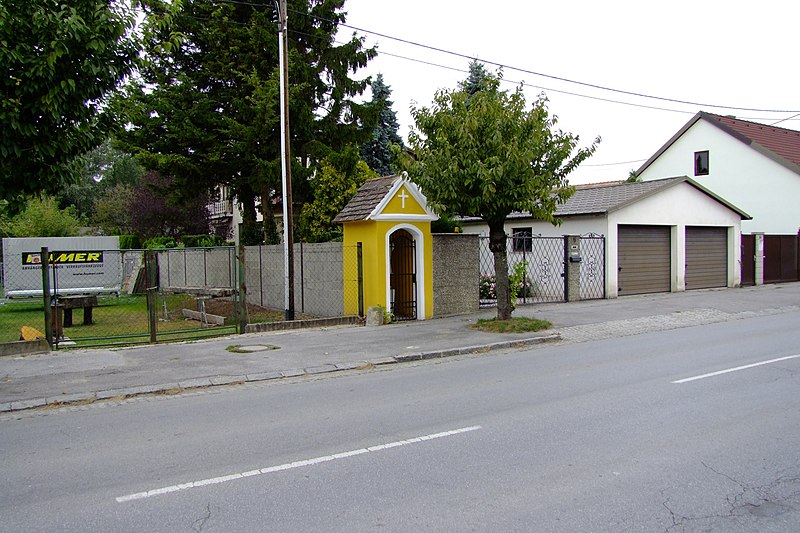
(286, 167)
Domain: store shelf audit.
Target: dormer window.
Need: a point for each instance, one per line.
(701, 163)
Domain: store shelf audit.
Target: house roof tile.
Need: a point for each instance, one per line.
(605, 198)
(781, 141)
(779, 144)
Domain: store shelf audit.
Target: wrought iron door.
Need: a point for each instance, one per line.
(403, 276)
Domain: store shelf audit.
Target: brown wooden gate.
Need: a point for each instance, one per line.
(748, 260)
(781, 258)
(403, 277)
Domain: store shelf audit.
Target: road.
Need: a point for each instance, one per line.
(686, 430)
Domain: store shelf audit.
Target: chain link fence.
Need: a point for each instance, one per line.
(326, 279)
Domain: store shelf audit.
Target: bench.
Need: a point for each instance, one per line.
(68, 303)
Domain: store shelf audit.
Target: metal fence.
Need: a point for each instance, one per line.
(540, 260)
(145, 296)
(326, 278)
(593, 266)
(118, 297)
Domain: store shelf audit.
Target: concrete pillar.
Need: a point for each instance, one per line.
(759, 257)
(572, 267)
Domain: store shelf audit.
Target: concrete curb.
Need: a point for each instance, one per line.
(215, 381)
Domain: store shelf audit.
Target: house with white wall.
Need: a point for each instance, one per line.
(662, 235)
(754, 166)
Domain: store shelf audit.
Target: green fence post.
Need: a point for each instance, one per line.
(150, 270)
(241, 305)
(48, 318)
(360, 259)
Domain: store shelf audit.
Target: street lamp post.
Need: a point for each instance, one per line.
(286, 170)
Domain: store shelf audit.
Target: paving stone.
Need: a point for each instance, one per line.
(227, 380)
(28, 404)
(71, 398)
(194, 383)
(321, 369)
(383, 361)
(263, 376)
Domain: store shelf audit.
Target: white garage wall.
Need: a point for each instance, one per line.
(679, 206)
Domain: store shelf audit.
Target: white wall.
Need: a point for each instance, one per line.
(677, 207)
(762, 188)
(569, 226)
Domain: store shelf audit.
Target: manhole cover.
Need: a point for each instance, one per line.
(252, 348)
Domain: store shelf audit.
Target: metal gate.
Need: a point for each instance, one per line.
(539, 259)
(403, 277)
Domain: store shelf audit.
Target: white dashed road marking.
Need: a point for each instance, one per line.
(289, 466)
(745, 367)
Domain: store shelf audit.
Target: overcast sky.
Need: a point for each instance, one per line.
(710, 52)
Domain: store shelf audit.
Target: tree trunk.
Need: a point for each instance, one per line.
(249, 231)
(270, 227)
(497, 245)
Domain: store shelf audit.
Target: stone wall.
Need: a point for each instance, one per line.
(456, 273)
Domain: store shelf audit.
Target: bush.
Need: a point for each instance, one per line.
(524, 288)
(202, 241)
(160, 243)
(487, 287)
(129, 242)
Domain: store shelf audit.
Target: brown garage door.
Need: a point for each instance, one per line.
(644, 259)
(706, 257)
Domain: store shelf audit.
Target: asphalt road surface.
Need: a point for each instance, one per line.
(696, 429)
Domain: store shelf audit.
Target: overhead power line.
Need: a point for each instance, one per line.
(552, 77)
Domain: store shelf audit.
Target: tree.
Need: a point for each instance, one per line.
(112, 210)
(59, 61)
(633, 177)
(377, 153)
(477, 79)
(155, 212)
(207, 112)
(486, 155)
(336, 181)
(41, 217)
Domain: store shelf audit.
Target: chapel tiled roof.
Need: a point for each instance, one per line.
(366, 199)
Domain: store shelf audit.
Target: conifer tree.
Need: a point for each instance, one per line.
(377, 152)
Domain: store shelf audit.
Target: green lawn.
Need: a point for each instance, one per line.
(116, 320)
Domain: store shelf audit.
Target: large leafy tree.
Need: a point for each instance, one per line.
(59, 61)
(487, 154)
(377, 152)
(336, 181)
(207, 112)
(102, 169)
(155, 211)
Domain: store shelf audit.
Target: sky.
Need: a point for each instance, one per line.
(705, 52)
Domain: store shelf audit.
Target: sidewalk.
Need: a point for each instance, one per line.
(65, 377)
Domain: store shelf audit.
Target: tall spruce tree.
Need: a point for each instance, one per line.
(207, 112)
(377, 152)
